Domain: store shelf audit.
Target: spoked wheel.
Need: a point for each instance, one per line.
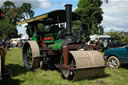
(113, 62)
(67, 73)
(31, 55)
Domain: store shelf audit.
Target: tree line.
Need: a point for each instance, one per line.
(12, 15)
(121, 36)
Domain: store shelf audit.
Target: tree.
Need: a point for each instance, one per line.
(7, 6)
(12, 15)
(91, 14)
(26, 7)
(7, 29)
(114, 34)
(76, 25)
(15, 14)
(125, 39)
(100, 30)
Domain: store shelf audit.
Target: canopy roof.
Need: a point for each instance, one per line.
(53, 17)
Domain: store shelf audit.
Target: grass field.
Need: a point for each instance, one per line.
(21, 76)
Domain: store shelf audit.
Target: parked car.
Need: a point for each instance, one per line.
(116, 56)
(106, 43)
(95, 37)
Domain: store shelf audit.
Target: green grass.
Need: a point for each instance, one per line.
(21, 76)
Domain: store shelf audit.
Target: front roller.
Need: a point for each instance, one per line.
(31, 55)
(83, 65)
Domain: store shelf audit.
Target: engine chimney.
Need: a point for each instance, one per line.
(68, 8)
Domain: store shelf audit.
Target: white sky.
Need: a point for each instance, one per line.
(115, 15)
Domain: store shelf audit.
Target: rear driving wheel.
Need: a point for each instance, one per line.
(31, 55)
(113, 62)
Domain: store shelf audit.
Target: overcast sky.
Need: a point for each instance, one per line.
(115, 12)
(115, 15)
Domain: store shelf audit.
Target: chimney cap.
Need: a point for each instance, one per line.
(68, 4)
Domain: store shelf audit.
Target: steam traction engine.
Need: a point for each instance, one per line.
(54, 46)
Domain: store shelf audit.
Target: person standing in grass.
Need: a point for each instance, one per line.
(4, 43)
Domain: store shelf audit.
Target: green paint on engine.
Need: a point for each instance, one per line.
(52, 43)
(57, 45)
(34, 37)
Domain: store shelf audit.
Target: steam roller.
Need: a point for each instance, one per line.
(78, 65)
(55, 46)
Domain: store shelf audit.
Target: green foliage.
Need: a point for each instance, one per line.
(125, 39)
(100, 30)
(12, 15)
(15, 14)
(7, 6)
(91, 15)
(76, 25)
(114, 34)
(26, 7)
(7, 29)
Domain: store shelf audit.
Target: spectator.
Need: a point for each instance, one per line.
(1, 43)
(96, 41)
(4, 43)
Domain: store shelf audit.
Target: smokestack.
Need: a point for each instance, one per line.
(68, 8)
